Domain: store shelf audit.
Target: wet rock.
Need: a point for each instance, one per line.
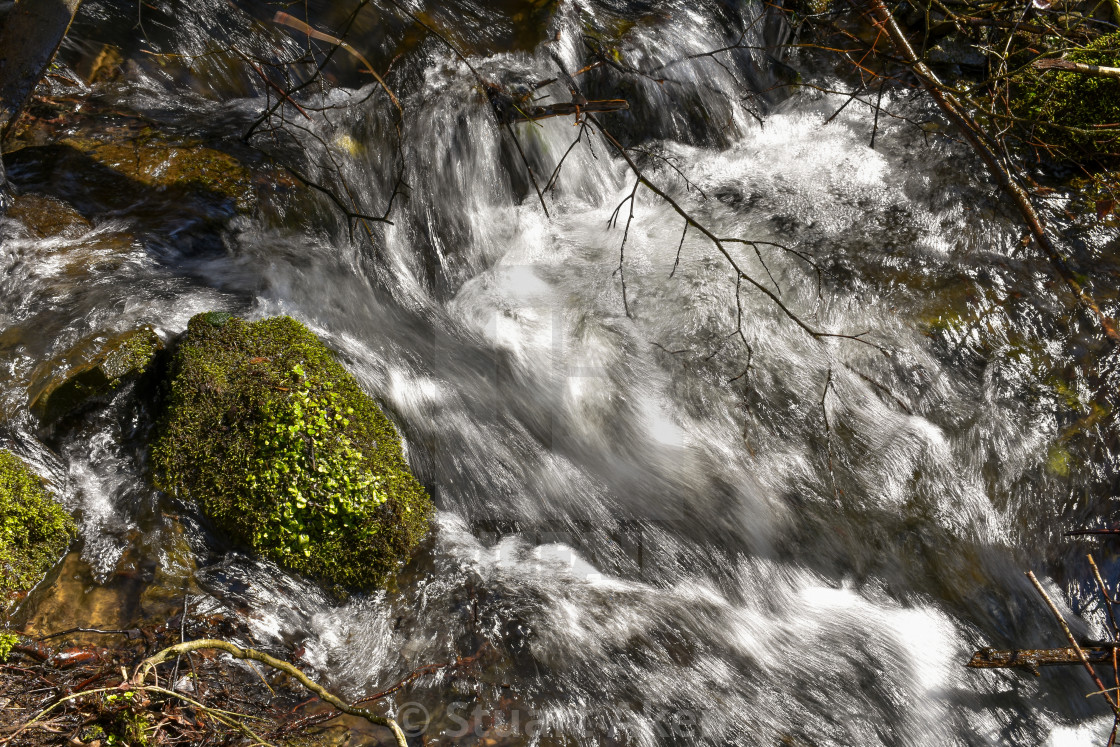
(47, 217)
(34, 530)
(173, 576)
(954, 50)
(116, 169)
(78, 597)
(285, 453)
(154, 161)
(110, 364)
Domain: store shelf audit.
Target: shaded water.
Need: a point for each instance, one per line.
(692, 523)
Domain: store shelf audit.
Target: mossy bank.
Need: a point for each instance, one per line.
(285, 453)
(34, 530)
(1070, 110)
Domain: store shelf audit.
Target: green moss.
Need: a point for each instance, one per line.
(34, 530)
(1074, 100)
(286, 454)
(7, 643)
(133, 354)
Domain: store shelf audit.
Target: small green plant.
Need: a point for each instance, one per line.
(305, 455)
(7, 643)
(118, 699)
(34, 530)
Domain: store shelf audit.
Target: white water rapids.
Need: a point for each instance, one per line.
(690, 524)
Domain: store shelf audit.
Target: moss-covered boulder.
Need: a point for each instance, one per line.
(1073, 100)
(104, 365)
(34, 530)
(285, 453)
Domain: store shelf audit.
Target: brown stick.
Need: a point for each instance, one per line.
(1068, 66)
(1032, 658)
(295, 23)
(563, 109)
(1073, 642)
(974, 135)
(1108, 601)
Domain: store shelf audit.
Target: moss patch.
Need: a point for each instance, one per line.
(34, 530)
(286, 454)
(1074, 100)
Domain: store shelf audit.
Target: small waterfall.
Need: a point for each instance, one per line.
(678, 518)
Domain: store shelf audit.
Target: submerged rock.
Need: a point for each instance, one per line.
(111, 364)
(285, 453)
(46, 217)
(34, 530)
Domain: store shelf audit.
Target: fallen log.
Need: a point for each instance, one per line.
(28, 41)
(563, 109)
(1033, 658)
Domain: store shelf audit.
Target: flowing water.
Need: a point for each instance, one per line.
(676, 518)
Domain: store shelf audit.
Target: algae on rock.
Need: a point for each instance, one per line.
(285, 453)
(120, 359)
(155, 161)
(34, 530)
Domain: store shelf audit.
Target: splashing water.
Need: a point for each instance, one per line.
(678, 518)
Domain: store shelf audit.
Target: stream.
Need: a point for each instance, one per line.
(675, 517)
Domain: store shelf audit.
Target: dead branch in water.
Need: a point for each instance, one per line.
(1031, 659)
(1096, 652)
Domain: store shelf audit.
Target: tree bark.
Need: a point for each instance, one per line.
(28, 42)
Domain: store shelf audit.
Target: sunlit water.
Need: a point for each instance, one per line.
(692, 523)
